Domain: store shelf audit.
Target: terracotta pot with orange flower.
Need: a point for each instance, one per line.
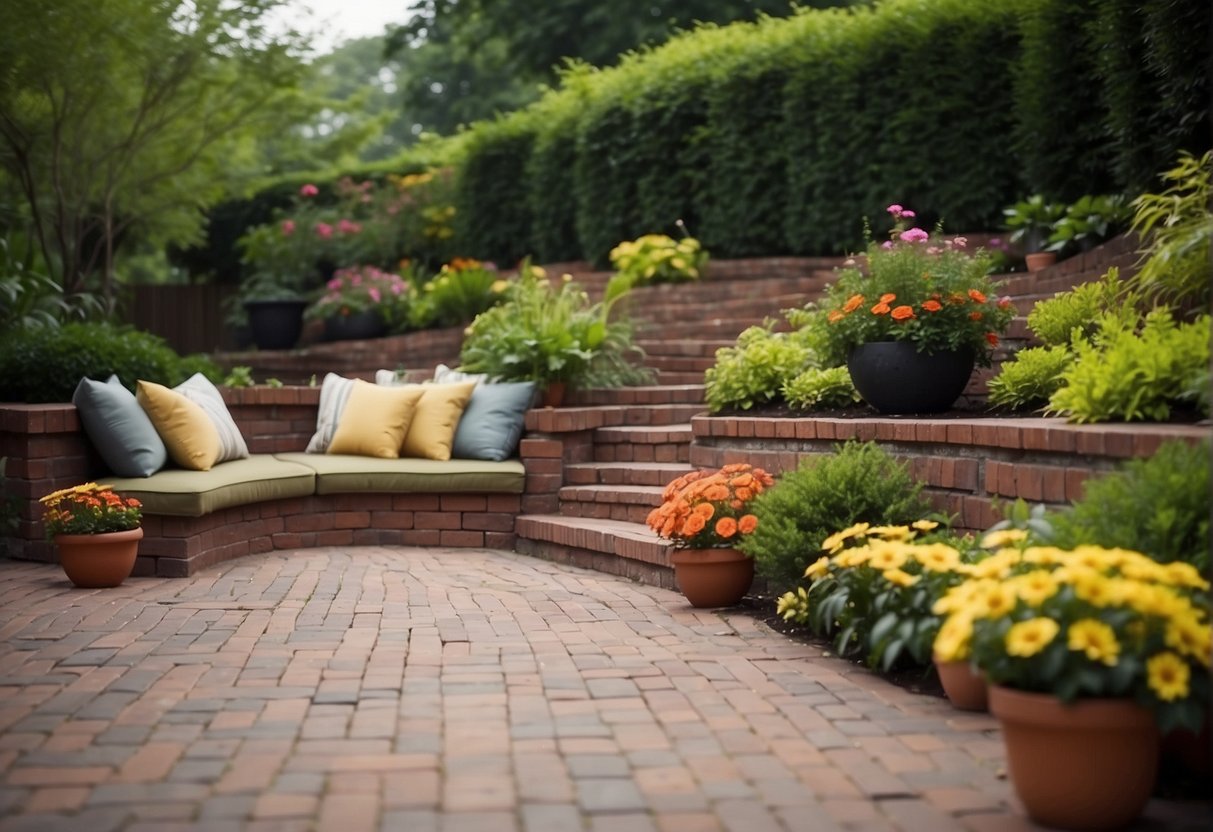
(97, 532)
(704, 513)
(913, 321)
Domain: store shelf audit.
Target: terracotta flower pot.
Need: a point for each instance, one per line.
(1089, 765)
(966, 688)
(553, 394)
(1038, 260)
(712, 577)
(94, 561)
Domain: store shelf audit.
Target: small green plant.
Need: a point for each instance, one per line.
(44, 364)
(656, 258)
(753, 372)
(1178, 225)
(458, 293)
(1158, 506)
(1074, 314)
(818, 388)
(30, 298)
(858, 482)
(1031, 221)
(273, 382)
(241, 376)
(1030, 378)
(1126, 375)
(873, 591)
(1088, 221)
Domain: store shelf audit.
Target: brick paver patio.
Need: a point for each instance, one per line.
(453, 690)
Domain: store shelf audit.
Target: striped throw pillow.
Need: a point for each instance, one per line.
(334, 393)
(199, 389)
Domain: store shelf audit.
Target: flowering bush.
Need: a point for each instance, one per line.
(874, 589)
(921, 288)
(459, 292)
(89, 509)
(363, 289)
(1090, 622)
(710, 509)
(656, 258)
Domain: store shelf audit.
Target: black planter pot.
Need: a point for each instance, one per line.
(275, 324)
(894, 377)
(360, 325)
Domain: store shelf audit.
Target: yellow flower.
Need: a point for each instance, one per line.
(1091, 586)
(952, 640)
(817, 568)
(499, 286)
(997, 565)
(887, 556)
(1044, 555)
(853, 557)
(1167, 675)
(899, 578)
(924, 525)
(1096, 639)
(1027, 638)
(937, 557)
(1035, 587)
(835, 541)
(1094, 557)
(993, 601)
(1003, 537)
(891, 532)
(1184, 574)
(1190, 637)
(1160, 601)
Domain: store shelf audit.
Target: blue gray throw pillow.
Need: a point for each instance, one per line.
(119, 428)
(492, 422)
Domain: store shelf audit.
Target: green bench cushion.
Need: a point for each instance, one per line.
(343, 474)
(238, 482)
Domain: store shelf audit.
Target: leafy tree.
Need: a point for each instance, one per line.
(123, 118)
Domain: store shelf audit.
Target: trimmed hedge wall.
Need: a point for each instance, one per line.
(780, 136)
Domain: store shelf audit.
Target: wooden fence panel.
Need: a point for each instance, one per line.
(189, 318)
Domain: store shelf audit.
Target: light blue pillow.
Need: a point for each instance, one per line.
(492, 421)
(119, 428)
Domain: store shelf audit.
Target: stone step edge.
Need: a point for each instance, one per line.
(631, 541)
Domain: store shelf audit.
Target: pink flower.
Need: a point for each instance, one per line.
(960, 242)
(907, 214)
(356, 280)
(288, 228)
(895, 209)
(348, 227)
(887, 244)
(309, 190)
(334, 284)
(933, 249)
(397, 288)
(914, 235)
(995, 242)
(324, 230)
(374, 293)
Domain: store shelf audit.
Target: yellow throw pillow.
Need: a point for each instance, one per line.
(433, 429)
(375, 420)
(188, 433)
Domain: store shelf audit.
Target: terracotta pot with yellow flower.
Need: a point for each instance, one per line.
(913, 321)
(1089, 654)
(704, 513)
(97, 532)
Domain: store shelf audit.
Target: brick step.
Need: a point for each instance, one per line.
(653, 394)
(631, 503)
(643, 443)
(617, 538)
(684, 346)
(680, 377)
(624, 473)
(694, 308)
(706, 328)
(680, 363)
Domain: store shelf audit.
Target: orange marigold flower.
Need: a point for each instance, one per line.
(705, 510)
(932, 306)
(992, 339)
(726, 527)
(880, 309)
(747, 524)
(975, 316)
(977, 296)
(903, 313)
(853, 303)
(956, 297)
(716, 492)
(744, 494)
(694, 524)
(888, 297)
(835, 316)
(742, 480)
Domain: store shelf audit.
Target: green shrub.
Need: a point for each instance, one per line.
(656, 258)
(549, 170)
(1157, 506)
(1179, 226)
(1125, 375)
(1030, 378)
(858, 482)
(492, 213)
(753, 372)
(818, 388)
(45, 364)
(1055, 320)
(457, 294)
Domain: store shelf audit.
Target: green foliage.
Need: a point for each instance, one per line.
(44, 364)
(1030, 378)
(1075, 314)
(457, 294)
(553, 158)
(753, 372)
(858, 482)
(30, 298)
(656, 258)
(818, 388)
(492, 214)
(1088, 221)
(1126, 375)
(1031, 221)
(1178, 224)
(239, 376)
(1158, 506)
(366, 289)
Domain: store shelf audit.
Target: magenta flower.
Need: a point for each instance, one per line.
(309, 190)
(288, 228)
(324, 230)
(397, 288)
(895, 209)
(334, 284)
(374, 293)
(907, 214)
(348, 227)
(887, 244)
(914, 235)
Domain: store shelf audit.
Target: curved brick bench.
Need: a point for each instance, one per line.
(196, 519)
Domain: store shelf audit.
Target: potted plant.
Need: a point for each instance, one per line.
(911, 325)
(361, 302)
(1089, 653)
(1089, 221)
(554, 336)
(1030, 222)
(97, 532)
(704, 514)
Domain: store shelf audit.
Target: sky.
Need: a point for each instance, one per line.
(333, 21)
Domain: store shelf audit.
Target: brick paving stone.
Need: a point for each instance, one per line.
(439, 690)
